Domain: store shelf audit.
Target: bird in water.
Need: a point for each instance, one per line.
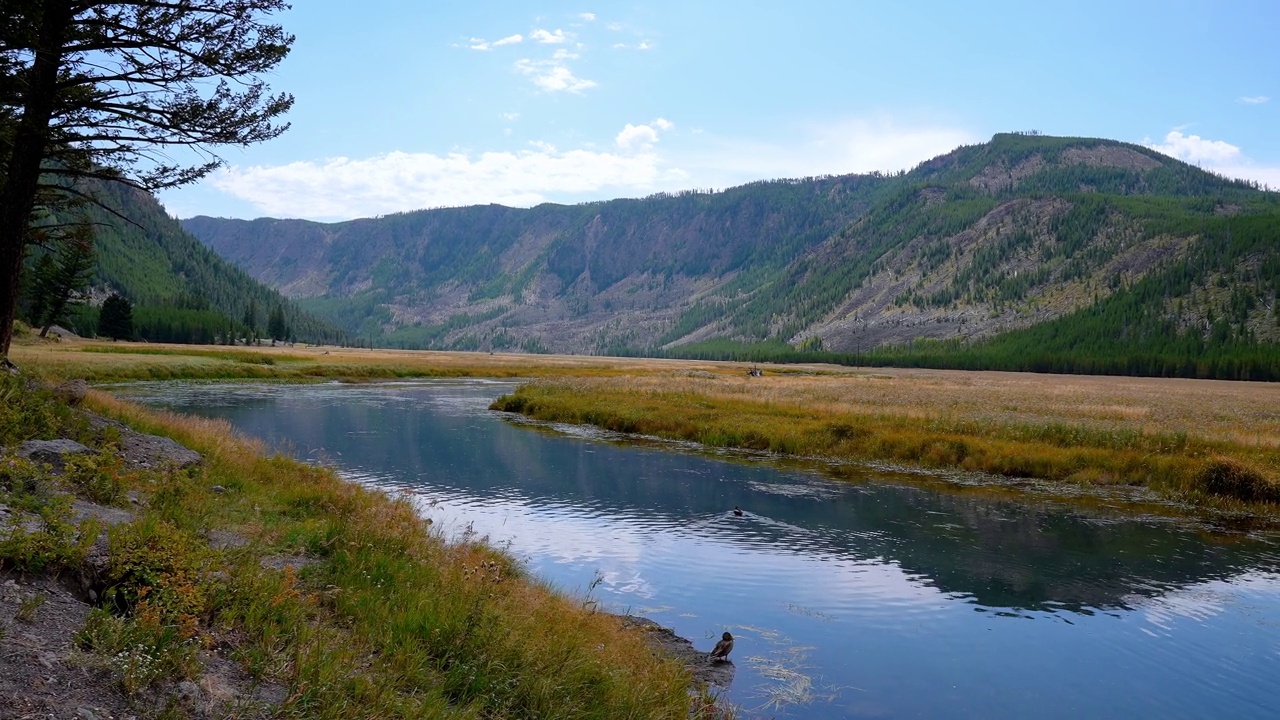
(737, 511)
(723, 648)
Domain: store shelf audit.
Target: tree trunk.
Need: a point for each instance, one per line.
(22, 176)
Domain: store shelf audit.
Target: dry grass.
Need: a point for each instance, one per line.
(391, 620)
(1200, 441)
(1148, 431)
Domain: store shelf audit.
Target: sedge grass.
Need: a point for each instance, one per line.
(390, 620)
(370, 614)
(1185, 445)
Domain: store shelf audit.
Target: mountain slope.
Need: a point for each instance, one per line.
(180, 288)
(558, 275)
(990, 241)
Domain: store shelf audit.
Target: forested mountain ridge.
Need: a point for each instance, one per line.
(181, 290)
(975, 246)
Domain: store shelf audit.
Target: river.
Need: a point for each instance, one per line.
(879, 596)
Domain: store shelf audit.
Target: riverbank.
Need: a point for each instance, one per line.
(262, 587)
(1214, 445)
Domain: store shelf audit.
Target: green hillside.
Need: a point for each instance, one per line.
(1026, 252)
(181, 290)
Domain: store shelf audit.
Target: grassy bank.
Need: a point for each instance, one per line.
(99, 362)
(383, 620)
(1209, 443)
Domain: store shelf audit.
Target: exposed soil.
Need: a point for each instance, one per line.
(43, 672)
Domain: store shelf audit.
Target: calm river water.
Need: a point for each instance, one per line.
(877, 598)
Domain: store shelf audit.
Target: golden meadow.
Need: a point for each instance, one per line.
(1208, 443)
(393, 621)
(388, 619)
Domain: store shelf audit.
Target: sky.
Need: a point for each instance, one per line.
(403, 104)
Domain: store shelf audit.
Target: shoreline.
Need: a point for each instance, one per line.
(243, 566)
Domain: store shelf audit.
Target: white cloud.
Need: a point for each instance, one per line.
(509, 40)
(554, 37)
(1195, 149)
(1217, 156)
(478, 44)
(1254, 99)
(614, 26)
(589, 17)
(641, 137)
(552, 76)
(339, 188)
(398, 181)
(636, 137)
(644, 45)
(511, 116)
(832, 148)
(562, 54)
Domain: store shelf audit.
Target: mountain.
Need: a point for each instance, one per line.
(181, 290)
(1093, 248)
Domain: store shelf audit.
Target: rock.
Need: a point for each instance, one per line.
(72, 392)
(154, 451)
(188, 692)
(86, 714)
(701, 665)
(280, 562)
(217, 489)
(53, 452)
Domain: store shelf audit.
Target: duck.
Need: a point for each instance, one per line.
(723, 648)
(737, 511)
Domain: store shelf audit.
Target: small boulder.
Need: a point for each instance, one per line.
(155, 451)
(72, 392)
(53, 452)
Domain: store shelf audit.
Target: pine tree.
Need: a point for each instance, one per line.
(116, 318)
(116, 91)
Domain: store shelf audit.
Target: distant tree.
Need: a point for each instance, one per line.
(116, 318)
(59, 278)
(139, 91)
(251, 321)
(277, 328)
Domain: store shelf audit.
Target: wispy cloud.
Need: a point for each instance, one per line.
(855, 145)
(1254, 99)
(586, 16)
(641, 161)
(509, 40)
(341, 188)
(552, 75)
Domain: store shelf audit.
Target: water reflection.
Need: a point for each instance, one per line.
(879, 597)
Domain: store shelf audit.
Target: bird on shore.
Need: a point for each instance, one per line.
(737, 511)
(723, 648)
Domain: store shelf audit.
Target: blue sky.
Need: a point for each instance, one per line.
(403, 105)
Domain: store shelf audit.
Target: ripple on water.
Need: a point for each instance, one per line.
(876, 598)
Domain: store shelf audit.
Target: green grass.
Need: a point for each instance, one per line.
(386, 619)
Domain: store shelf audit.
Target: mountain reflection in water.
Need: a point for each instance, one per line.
(881, 597)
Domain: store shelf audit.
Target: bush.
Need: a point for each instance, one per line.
(1231, 478)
